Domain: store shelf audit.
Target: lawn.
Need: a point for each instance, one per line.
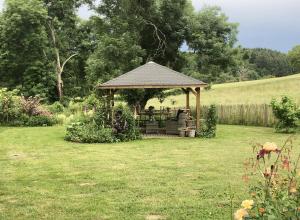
(44, 177)
(248, 92)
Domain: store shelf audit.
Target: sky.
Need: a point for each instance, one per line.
(273, 24)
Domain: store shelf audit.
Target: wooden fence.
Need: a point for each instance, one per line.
(256, 115)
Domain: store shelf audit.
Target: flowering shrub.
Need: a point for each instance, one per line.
(20, 111)
(31, 106)
(276, 195)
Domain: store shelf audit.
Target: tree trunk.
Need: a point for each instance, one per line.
(59, 84)
(59, 66)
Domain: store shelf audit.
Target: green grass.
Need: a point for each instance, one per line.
(248, 92)
(44, 177)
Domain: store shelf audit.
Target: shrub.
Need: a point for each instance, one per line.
(209, 127)
(75, 107)
(56, 108)
(124, 125)
(41, 120)
(97, 128)
(92, 101)
(88, 133)
(276, 195)
(32, 106)
(287, 114)
(9, 106)
(21, 111)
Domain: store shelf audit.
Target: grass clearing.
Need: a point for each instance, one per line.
(44, 177)
(248, 92)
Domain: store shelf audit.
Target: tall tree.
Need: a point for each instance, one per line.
(136, 32)
(294, 57)
(23, 48)
(61, 25)
(212, 38)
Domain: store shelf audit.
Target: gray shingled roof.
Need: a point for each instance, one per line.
(152, 75)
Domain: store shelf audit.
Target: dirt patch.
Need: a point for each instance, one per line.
(17, 155)
(155, 217)
(87, 184)
(120, 166)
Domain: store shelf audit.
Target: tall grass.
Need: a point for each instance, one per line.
(248, 92)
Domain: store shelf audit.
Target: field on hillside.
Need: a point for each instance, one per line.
(248, 92)
(44, 177)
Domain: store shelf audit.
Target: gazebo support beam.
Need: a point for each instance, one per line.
(112, 104)
(187, 105)
(197, 108)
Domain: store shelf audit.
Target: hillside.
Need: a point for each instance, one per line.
(248, 92)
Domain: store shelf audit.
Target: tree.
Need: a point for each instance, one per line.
(269, 62)
(135, 32)
(294, 57)
(212, 38)
(61, 25)
(23, 48)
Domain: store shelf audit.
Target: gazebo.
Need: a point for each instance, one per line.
(154, 76)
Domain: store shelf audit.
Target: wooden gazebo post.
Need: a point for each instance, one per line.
(197, 108)
(187, 106)
(112, 104)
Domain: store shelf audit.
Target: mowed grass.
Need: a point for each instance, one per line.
(44, 177)
(248, 92)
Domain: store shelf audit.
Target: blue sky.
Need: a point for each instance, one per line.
(272, 24)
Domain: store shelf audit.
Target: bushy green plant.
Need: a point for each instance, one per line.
(287, 114)
(88, 133)
(40, 120)
(277, 194)
(20, 111)
(97, 128)
(92, 101)
(9, 106)
(56, 108)
(209, 127)
(124, 125)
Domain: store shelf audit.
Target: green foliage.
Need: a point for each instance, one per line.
(96, 128)
(40, 120)
(56, 107)
(19, 111)
(208, 129)
(124, 125)
(212, 37)
(113, 57)
(10, 108)
(294, 57)
(135, 97)
(88, 133)
(287, 113)
(267, 62)
(90, 128)
(25, 66)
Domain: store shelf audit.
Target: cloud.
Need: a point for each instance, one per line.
(263, 23)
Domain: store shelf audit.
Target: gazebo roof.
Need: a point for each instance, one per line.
(152, 75)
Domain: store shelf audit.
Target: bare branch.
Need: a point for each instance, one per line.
(70, 57)
(160, 36)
